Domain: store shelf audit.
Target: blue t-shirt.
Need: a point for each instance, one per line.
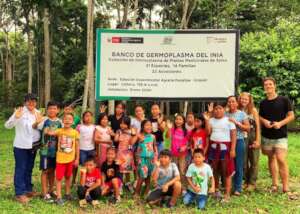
(49, 143)
(200, 177)
(239, 116)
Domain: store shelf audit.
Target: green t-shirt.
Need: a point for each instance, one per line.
(76, 121)
(200, 177)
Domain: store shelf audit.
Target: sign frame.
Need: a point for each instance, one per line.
(99, 32)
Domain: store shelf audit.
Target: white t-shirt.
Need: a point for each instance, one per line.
(221, 129)
(135, 123)
(86, 140)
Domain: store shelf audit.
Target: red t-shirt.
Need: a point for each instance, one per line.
(92, 177)
(199, 139)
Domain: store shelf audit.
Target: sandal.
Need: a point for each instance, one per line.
(237, 193)
(273, 189)
(291, 195)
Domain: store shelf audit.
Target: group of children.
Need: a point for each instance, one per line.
(119, 148)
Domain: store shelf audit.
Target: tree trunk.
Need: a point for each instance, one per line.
(47, 56)
(29, 46)
(89, 88)
(125, 14)
(183, 24)
(90, 63)
(192, 8)
(118, 11)
(8, 62)
(135, 13)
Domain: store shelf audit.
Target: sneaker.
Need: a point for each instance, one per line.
(95, 203)
(88, 198)
(82, 203)
(218, 195)
(23, 199)
(129, 187)
(53, 194)
(47, 198)
(68, 197)
(60, 201)
(114, 200)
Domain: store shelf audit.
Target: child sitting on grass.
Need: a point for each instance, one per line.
(111, 176)
(198, 175)
(89, 189)
(166, 179)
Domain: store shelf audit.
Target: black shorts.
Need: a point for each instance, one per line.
(157, 193)
(47, 163)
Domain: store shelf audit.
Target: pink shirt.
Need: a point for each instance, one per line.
(179, 141)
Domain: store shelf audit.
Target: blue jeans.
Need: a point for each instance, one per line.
(239, 165)
(190, 197)
(160, 146)
(24, 163)
(85, 154)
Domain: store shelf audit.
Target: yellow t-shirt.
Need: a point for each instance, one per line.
(66, 145)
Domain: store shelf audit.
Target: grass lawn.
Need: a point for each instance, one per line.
(258, 202)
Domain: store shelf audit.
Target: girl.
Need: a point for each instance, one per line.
(221, 150)
(158, 126)
(136, 125)
(138, 118)
(147, 151)
(102, 137)
(252, 141)
(86, 140)
(198, 135)
(125, 152)
(239, 118)
(179, 144)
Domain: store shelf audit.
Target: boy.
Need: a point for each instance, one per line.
(67, 156)
(90, 182)
(48, 150)
(166, 179)
(112, 178)
(198, 175)
(221, 148)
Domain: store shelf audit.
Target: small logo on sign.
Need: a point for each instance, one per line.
(167, 40)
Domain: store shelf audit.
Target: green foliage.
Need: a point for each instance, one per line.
(274, 53)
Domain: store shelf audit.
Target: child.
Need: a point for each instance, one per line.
(190, 120)
(67, 156)
(69, 109)
(158, 126)
(166, 179)
(147, 151)
(103, 134)
(198, 135)
(48, 151)
(86, 140)
(90, 182)
(111, 176)
(221, 148)
(125, 152)
(198, 175)
(179, 144)
(240, 120)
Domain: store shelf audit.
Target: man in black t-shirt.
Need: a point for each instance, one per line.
(275, 113)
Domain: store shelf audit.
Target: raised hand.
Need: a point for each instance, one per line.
(210, 107)
(169, 124)
(19, 112)
(206, 116)
(160, 119)
(102, 108)
(39, 117)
